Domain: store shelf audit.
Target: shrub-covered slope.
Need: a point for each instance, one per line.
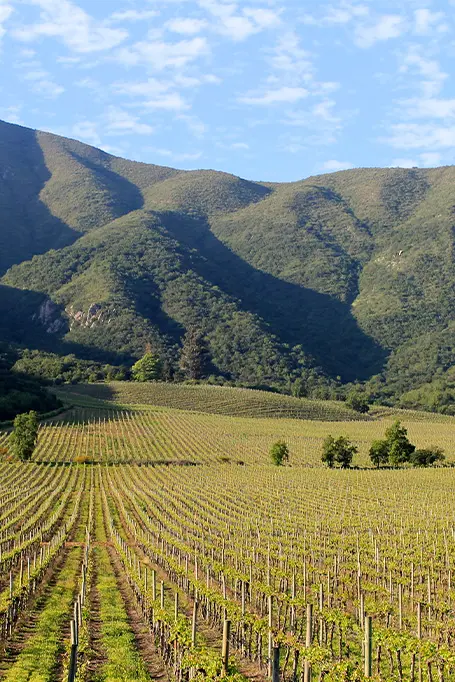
(344, 275)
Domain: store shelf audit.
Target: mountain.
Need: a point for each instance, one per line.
(345, 276)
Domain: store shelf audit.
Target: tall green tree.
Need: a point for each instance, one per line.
(25, 435)
(148, 368)
(328, 451)
(399, 445)
(194, 356)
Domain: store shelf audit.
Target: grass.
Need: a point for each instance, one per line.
(38, 660)
(124, 663)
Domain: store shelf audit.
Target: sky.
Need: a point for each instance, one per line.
(272, 90)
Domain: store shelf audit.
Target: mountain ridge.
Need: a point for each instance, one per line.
(339, 277)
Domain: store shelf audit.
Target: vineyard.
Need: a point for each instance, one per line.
(159, 543)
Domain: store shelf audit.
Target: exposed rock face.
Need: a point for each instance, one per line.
(50, 316)
(95, 315)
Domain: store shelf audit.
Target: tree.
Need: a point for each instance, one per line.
(357, 401)
(328, 452)
(427, 457)
(194, 354)
(399, 446)
(339, 450)
(148, 368)
(279, 453)
(25, 435)
(379, 452)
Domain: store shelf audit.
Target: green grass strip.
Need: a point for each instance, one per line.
(39, 657)
(124, 662)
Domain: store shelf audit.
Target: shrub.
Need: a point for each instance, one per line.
(279, 453)
(427, 457)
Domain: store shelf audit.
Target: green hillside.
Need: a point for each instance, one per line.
(341, 277)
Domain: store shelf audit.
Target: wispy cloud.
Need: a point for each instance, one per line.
(121, 122)
(6, 11)
(333, 165)
(421, 136)
(133, 15)
(238, 24)
(425, 160)
(282, 95)
(12, 114)
(344, 13)
(69, 23)
(159, 55)
(186, 25)
(177, 156)
(384, 28)
(428, 22)
(43, 83)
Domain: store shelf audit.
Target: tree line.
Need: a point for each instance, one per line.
(394, 450)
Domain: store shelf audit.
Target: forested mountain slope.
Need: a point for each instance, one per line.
(344, 275)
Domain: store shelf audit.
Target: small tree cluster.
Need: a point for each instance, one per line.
(25, 435)
(358, 402)
(338, 451)
(279, 453)
(397, 449)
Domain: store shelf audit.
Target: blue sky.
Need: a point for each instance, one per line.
(266, 89)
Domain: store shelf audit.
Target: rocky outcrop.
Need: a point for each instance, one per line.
(95, 315)
(49, 315)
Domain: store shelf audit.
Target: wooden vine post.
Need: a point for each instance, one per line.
(308, 640)
(276, 664)
(368, 646)
(225, 647)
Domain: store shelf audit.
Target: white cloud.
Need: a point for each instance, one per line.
(263, 18)
(428, 22)
(43, 84)
(48, 88)
(343, 14)
(425, 160)
(133, 15)
(66, 21)
(154, 94)
(11, 115)
(121, 122)
(428, 108)
(280, 95)
(172, 101)
(186, 25)
(291, 60)
(387, 27)
(159, 55)
(236, 23)
(240, 146)
(421, 136)
(177, 156)
(333, 165)
(194, 124)
(5, 12)
(429, 70)
(87, 131)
